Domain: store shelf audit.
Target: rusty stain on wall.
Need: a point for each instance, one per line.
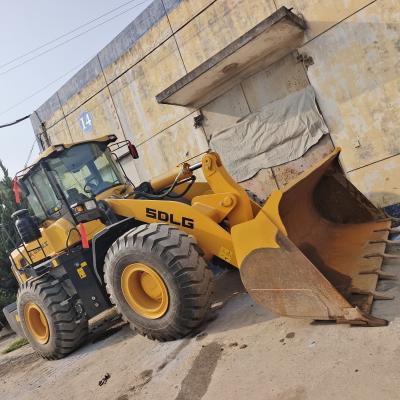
(286, 172)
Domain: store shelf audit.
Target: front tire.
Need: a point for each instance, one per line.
(49, 321)
(158, 280)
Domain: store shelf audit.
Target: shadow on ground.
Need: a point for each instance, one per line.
(232, 308)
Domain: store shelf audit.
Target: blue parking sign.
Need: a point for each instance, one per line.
(86, 122)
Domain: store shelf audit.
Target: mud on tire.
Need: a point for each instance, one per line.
(177, 259)
(67, 330)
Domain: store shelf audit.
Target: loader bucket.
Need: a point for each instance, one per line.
(315, 249)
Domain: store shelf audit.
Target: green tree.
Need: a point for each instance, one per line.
(8, 284)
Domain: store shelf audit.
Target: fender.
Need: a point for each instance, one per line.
(102, 241)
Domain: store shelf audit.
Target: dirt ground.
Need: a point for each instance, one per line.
(243, 352)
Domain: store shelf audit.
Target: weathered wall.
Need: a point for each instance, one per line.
(356, 76)
(355, 48)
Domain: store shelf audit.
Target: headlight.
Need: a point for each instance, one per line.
(90, 205)
(78, 209)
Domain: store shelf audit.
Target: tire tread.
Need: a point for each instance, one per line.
(70, 330)
(183, 258)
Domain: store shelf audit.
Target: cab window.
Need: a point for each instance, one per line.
(42, 198)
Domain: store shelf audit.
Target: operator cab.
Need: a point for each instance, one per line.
(71, 175)
(65, 189)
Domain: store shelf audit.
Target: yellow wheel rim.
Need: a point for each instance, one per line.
(36, 323)
(144, 290)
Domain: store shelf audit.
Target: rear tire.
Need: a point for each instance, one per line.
(49, 321)
(176, 259)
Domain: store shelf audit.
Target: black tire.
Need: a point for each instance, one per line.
(177, 259)
(67, 329)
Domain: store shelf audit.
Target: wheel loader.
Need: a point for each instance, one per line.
(91, 240)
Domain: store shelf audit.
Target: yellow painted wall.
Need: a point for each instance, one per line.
(355, 47)
(134, 93)
(186, 11)
(105, 120)
(379, 181)
(217, 26)
(356, 77)
(175, 144)
(153, 39)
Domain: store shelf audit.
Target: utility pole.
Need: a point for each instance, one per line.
(42, 137)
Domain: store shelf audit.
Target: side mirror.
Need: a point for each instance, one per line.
(133, 150)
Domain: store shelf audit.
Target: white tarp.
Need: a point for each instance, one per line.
(282, 131)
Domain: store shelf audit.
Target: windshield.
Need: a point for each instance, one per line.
(85, 170)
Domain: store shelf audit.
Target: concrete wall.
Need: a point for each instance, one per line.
(355, 49)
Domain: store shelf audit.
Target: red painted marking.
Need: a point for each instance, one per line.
(16, 191)
(84, 238)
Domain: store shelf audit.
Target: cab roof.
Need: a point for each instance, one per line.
(62, 146)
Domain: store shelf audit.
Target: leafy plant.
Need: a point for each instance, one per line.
(8, 237)
(16, 344)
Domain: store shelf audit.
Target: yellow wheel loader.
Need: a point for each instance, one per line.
(91, 239)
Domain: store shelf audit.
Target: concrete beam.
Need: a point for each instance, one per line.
(270, 40)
